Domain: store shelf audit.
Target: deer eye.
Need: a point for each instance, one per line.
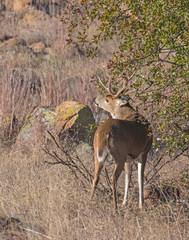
(106, 100)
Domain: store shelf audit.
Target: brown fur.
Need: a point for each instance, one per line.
(114, 127)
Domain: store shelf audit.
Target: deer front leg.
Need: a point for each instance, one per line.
(98, 168)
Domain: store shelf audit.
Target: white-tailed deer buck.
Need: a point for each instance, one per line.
(126, 137)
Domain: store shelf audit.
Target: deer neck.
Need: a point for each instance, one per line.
(125, 112)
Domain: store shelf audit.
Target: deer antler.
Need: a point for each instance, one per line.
(108, 89)
(124, 85)
(121, 90)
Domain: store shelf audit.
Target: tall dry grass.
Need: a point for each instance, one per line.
(49, 201)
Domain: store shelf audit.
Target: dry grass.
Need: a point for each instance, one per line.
(49, 201)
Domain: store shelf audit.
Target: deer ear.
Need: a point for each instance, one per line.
(124, 100)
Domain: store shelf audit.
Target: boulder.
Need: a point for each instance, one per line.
(34, 18)
(37, 47)
(70, 119)
(85, 152)
(4, 37)
(20, 5)
(16, 5)
(74, 120)
(10, 45)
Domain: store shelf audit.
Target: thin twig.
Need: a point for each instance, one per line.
(35, 232)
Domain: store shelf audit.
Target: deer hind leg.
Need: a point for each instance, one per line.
(127, 181)
(99, 163)
(141, 167)
(117, 171)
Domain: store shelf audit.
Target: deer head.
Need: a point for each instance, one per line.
(117, 104)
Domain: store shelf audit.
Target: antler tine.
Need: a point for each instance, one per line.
(121, 90)
(108, 89)
(124, 85)
(109, 86)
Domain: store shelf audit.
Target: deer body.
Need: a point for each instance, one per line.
(126, 138)
(110, 133)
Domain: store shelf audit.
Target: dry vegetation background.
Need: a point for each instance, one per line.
(48, 200)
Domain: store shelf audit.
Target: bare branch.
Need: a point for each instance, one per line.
(71, 160)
